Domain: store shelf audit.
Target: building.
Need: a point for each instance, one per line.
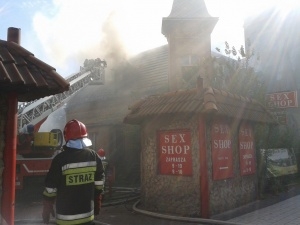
(273, 34)
(197, 143)
(173, 67)
(198, 155)
(102, 108)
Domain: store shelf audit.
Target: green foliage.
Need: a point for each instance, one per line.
(276, 136)
(269, 137)
(235, 74)
(232, 73)
(281, 137)
(261, 134)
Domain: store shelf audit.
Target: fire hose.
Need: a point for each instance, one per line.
(129, 198)
(180, 218)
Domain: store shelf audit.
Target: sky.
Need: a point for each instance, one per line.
(63, 33)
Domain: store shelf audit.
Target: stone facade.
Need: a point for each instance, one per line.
(234, 192)
(168, 193)
(181, 195)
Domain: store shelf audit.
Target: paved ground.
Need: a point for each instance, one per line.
(284, 212)
(277, 210)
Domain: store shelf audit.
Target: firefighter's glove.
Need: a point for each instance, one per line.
(97, 204)
(47, 210)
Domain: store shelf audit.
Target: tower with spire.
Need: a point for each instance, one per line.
(188, 29)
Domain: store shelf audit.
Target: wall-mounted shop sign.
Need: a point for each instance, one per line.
(282, 100)
(246, 149)
(221, 149)
(174, 151)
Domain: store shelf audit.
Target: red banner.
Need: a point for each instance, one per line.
(174, 148)
(246, 149)
(221, 150)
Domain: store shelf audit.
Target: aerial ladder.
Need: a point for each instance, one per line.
(35, 150)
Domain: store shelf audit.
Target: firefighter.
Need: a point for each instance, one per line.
(101, 154)
(75, 180)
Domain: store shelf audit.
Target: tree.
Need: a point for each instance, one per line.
(236, 74)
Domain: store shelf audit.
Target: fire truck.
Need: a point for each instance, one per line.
(36, 146)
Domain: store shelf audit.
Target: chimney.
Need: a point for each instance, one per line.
(199, 83)
(14, 35)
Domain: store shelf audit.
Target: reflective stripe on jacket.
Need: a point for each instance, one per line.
(74, 177)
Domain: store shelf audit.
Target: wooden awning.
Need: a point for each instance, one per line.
(29, 77)
(208, 100)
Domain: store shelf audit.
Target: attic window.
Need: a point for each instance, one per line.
(189, 70)
(189, 66)
(189, 60)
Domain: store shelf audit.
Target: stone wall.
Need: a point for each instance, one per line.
(181, 195)
(172, 194)
(233, 192)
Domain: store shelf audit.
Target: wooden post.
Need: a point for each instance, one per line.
(203, 169)
(9, 158)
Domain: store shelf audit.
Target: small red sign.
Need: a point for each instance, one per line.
(282, 100)
(246, 149)
(221, 150)
(174, 148)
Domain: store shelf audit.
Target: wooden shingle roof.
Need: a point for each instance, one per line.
(209, 100)
(29, 77)
(152, 66)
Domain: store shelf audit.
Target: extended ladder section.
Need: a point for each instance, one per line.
(35, 111)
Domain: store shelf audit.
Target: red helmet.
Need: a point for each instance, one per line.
(74, 129)
(101, 152)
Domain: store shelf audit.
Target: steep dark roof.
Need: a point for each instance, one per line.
(152, 66)
(188, 9)
(22, 72)
(208, 100)
(188, 14)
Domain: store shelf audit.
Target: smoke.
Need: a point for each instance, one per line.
(56, 120)
(72, 31)
(68, 32)
(112, 46)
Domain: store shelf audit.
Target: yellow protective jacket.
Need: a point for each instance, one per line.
(74, 178)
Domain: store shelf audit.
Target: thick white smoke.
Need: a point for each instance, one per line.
(72, 31)
(55, 120)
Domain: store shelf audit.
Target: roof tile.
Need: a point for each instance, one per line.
(4, 76)
(208, 100)
(22, 72)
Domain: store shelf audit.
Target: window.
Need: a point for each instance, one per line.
(190, 60)
(189, 70)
